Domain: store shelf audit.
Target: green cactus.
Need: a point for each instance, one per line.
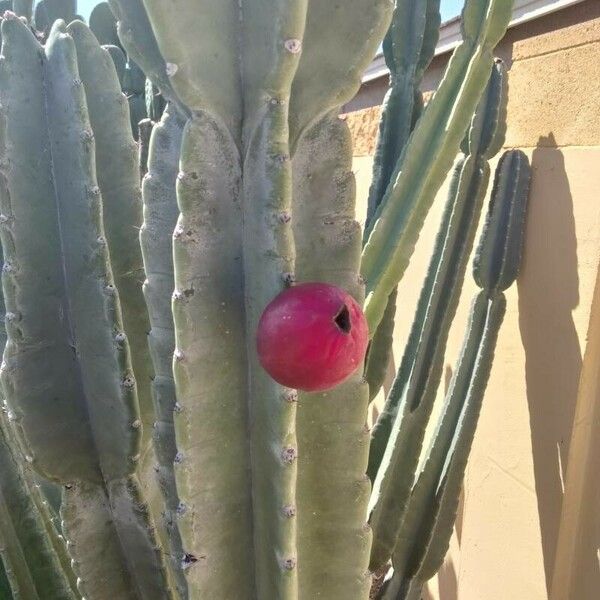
(429, 154)
(23, 8)
(104, 25)
(408, 49)
(74, 311)
(34, 555)
(49, 11)
(427, 526)
(187, 471)
(398, 434)
(160, 217)
(120, 61)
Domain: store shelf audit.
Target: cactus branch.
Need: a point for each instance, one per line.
(429, 153)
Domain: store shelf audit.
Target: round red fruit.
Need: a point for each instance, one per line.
(312, 336)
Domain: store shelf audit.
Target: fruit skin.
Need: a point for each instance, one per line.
(312, 336)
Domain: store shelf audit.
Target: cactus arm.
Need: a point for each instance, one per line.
(117, 171)
(322, 85)
(211, 420)
(498, 256)
(137, 37)
(398, 435)
(409, 47)
(425, 535)
(429, 153)
(23, 8)
(104, 25)
(333, 542)
(49, 11)
(427, 526)
(65, 328)
(485, 137)
(156, 238)
(24, 533)
(27, 203)
(380, 347)
(119, 60)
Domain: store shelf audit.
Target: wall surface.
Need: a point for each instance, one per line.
(528, 497)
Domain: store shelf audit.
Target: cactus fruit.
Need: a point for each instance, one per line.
(312, 337)
(132, 372)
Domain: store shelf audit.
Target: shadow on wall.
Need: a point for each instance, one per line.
(548, 293)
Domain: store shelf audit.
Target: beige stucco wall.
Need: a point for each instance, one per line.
(506, 537)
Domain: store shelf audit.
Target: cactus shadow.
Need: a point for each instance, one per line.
(548, 289)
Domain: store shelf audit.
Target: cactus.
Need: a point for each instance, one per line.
(408, 49)
(187, 471)
(160, 217)
(34, 555)
(429, 154)
(398, 434)
(49, 11)
(90, 356)
(427, 526)
(104, 25)
(23, 8)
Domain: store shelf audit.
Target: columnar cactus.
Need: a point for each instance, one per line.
(187, 471)
(426, 526)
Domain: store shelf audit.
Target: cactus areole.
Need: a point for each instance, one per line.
(312, 336)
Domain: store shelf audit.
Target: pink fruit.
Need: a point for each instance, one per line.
(312, 336)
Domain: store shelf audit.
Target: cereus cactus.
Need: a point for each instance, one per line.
(138, 373)
(426, 525)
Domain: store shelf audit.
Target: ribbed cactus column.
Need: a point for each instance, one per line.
(430, 152)
(427, 527)
(67, 374)
(117, 171)
(333, 539)
(156, 237)
(136, 35)
(29, 547)
(23, 8)
(408, 49)
(282, 78)
(397, 436)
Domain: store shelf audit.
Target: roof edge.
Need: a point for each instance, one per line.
(450, 36)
